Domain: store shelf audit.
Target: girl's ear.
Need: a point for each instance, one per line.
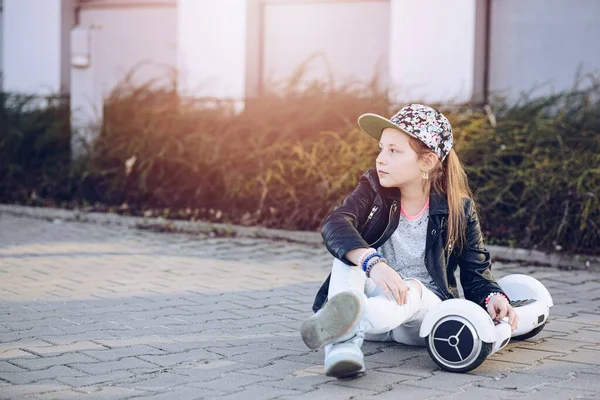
(429, 161)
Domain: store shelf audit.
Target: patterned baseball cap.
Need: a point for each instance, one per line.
(422, 122)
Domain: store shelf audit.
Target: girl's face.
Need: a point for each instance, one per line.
(397, 163)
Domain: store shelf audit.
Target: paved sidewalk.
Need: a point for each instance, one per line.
(110, 312)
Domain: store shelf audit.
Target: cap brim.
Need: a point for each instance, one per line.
(373, 125)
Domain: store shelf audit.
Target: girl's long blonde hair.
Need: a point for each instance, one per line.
(449, 177)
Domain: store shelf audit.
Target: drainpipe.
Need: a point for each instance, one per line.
(486, 57)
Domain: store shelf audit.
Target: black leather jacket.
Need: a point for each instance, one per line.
(369, 216)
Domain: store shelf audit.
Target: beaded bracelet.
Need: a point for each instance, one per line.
(373, 263)
(366, 261)
(489, 296)
(365, 253)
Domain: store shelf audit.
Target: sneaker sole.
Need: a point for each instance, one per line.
(338, 317)
(345, 369)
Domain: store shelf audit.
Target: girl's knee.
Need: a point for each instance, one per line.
(416, 286)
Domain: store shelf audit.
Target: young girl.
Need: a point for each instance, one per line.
(397, 240)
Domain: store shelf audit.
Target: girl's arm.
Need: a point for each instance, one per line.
(475, 264)
(340, 230)
(476, 274)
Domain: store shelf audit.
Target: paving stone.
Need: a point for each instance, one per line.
(96, 393)
(168, 322)
(277, 368)
(260, 392)
(187, 357)
(277, 310)
(522, 355)
(142, 340)
(156, 381)
(496, 368)
(268, 329)
(375, 380)
(477, 393)
(233, 382)
(21, 344)
(170, 311)
(261, 303)
(64, 339)
(584, 335)
(330, 392)
(99, 368)
(407, 391)
(226, 352)
(262, 356)
(182, 347)
(564, 326)
(445, 381)
(108, 378)
(519, 381)
(303, 380)
(183, 392)
(391, 353)
(555, 345)
(15, 354)
(581, 356)
(45, 362)
(117, 353)
(166, 314)
(195, 309)
(549, 392)
(418, 364)
(559, 369)
(65, 348)
(205, 372)
(7, 367)
(311, 357)
(25, 390)
(56, 372)
(16, 335)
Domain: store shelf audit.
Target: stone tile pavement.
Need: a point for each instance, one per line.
(110, 312)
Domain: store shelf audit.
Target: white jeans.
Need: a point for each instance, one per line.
(385, 319)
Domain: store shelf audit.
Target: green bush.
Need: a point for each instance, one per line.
(291, 156)
(537, 173)
(34, 148)
(276, 163)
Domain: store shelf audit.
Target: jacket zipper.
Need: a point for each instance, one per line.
(373, 211)
(392, 210)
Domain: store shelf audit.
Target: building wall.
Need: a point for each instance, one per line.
(432, 49)
(421, 49)
(140, 40)
(33, 46)
(121, 38)
(542, 45)
(334, 41)
(212, 48)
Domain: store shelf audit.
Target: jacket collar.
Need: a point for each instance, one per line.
(437, 203)
(387, 193)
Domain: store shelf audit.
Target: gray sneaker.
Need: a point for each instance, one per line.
(337, 321)
(345, 359)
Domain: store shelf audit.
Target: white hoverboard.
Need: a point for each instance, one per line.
(460, 334)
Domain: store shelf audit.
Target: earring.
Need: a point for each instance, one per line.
(425, 175)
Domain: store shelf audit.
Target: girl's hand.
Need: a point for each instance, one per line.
(390, 282)
(498, 308)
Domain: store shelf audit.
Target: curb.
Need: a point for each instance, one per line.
(500, 253)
